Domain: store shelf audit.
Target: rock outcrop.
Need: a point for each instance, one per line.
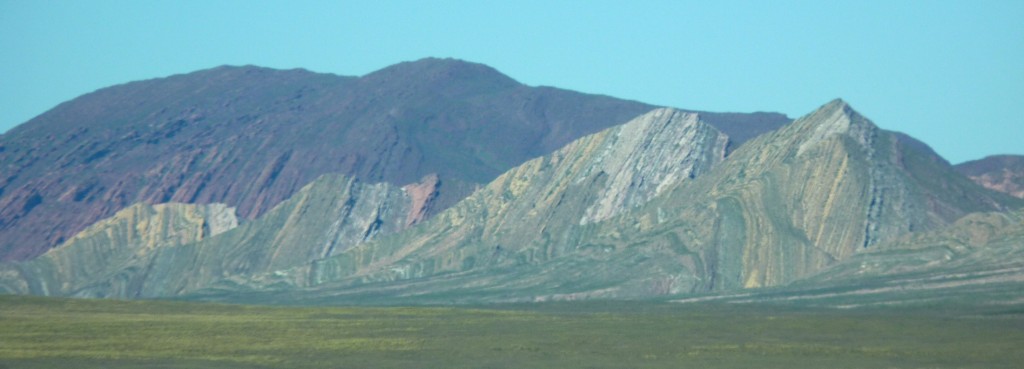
(651, 207)
(328, 216)
(976, 262)
(539, 211)
(784, 206)
(802, 198)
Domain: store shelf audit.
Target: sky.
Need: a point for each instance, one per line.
(950, 73)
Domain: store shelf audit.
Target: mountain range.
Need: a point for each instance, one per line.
(441, 181)
(251, 137)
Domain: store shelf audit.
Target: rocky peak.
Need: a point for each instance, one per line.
(649, 154)
(834, 118)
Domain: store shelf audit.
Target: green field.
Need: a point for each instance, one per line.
(68, 333)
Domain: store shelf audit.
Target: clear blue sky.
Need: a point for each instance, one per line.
(948, 72)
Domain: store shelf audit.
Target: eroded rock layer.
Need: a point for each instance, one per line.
(252, 137)
(328, 216)
(782, 207)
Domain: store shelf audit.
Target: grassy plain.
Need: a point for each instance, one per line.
(51, 333)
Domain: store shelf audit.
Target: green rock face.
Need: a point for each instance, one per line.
(539, 211)
(110, 257)
(782, 207)
(815, 192)
(166, 250)
(649, 208)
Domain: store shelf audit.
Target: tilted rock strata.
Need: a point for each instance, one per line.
(327, 216)
(815, 192)
(782, 207)
(108, 250)
(252, 137)
(537, 211)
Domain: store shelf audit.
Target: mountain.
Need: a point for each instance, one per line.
(815, 192)
(251, 137)
(1004, 173)
(591, 179)
(782, 207)
(651, 207)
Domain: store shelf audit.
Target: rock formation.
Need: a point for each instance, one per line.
(251, 137)
(782, 207)
(108, 255)
(325, 217)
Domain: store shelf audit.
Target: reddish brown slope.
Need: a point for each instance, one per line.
(1004, 173)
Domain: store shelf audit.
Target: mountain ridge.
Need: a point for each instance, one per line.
(250, 137)
(651, 208)
(763, 217)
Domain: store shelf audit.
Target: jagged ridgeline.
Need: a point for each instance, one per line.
(126, 256)
(651, 207)
(813, 193)
(252, 137)
(782, 207)
(106, 258)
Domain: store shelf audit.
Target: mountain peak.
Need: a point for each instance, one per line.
(836, 117)
(442, 70)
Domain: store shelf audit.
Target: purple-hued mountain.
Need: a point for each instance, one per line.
(1004, 173)
(251, 137)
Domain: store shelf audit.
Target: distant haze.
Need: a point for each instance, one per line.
(948, 73)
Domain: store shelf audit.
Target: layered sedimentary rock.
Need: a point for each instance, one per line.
(651, 207)
(328, 216)
(978, 261)
(977, 249)
(108, 255)
(813, 193)
(1003, 173)
(539, 210)
(782, 207)
(252, 137)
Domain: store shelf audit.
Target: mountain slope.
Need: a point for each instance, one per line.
(251, 137)
(536, 211)
(815, 192)
(325, 217)
(782, 207)
(1004, 173)
(977, 261)
(110, 250)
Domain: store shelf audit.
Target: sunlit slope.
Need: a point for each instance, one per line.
(539, 211)
(980, 257)
(813, 193)
(976, 263)
(331, 214)
(784, 206)
(112, 257)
